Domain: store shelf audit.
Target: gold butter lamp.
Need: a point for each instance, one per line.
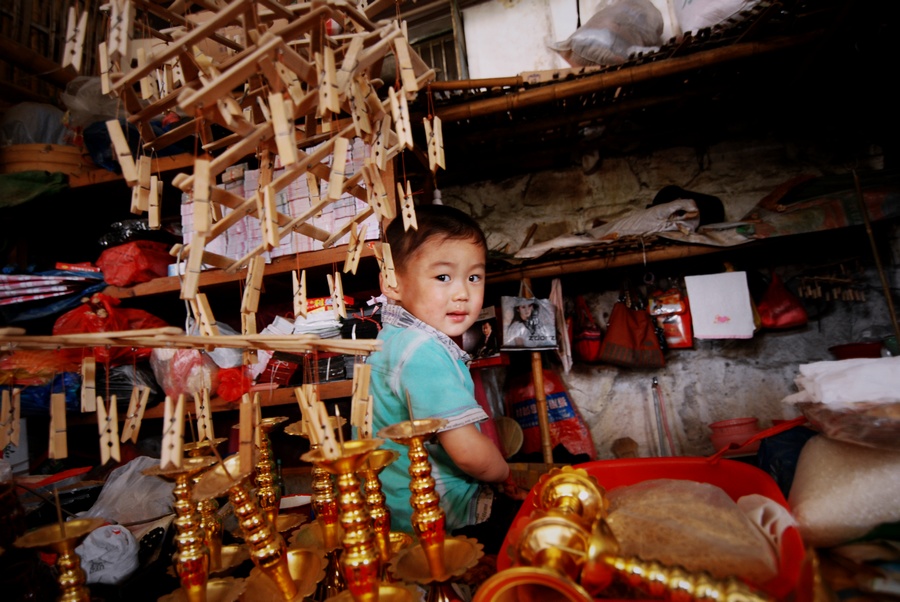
(268, 495)
(63, 538)
(192, 559)
(435, 560)
(210, 522)
(307, 569)
(267, 548)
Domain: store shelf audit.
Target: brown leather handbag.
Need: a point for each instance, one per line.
(631, 340)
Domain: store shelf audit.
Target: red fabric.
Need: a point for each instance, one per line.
(780, 308)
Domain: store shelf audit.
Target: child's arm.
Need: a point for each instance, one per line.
(475, 453)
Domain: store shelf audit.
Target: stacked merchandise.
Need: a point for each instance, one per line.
(294, 200)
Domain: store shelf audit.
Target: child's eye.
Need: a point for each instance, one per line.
(444, 278)
(475, 278)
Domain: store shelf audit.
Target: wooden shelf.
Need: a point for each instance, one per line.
(98, 175)
(279, 265)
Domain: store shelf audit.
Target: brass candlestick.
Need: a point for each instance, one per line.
(63, 538)
(267, 549)
(268, 495)
(307, 568)
(428, 516)
(192, 559)
(359, 560)
(571, 493)
(376, 501)
(208, 508)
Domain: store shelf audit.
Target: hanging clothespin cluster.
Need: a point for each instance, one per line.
(318, 424)
(386, 264)
(337, 296)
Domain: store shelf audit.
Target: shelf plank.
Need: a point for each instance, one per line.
(279, 265)
(98, 175)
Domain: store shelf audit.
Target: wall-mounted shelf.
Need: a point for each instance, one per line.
(279, 265)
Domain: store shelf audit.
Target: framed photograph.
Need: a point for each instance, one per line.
(528, 323)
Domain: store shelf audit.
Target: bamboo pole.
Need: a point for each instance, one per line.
(623, 77)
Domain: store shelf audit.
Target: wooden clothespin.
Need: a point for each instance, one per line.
(283, 125)
(103, 59)
(136, 406)
(338, 165)
(382, 145)
(10, 411)
(409, 208)
(123, 152)
(140, 202)
(349, 64)
(247, 430)
(329, 96)
(203, 410)
(108, 425)
(168, 78)
(120, 22)
(330, 447)
(58, 447)
(305, 411)
(359, 109)
(149, 89)
(299, 282)
(89, 384)
(360, 397)
(173, 433)
(268, 218)
(404, 63)
(248, 326)
(75, 29)
(202, 196)
(355, 248)
(386, 204)
(205, 319)
(435, 141)
(257, 420)
(312, 183)
(400, 115)
(253, 285)
(291, 82)
(387, 265)
(194, 267)
(154, 212)
(337, 295)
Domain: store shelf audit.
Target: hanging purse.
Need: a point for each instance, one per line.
(779, 308)
(587, 336)
(631, 339)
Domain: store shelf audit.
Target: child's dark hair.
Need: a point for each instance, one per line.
(434, 221)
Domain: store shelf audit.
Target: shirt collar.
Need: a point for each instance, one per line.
(396, 315)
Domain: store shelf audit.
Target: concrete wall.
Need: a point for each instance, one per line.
(715, 380)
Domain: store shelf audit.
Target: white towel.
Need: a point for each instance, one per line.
(720, 306)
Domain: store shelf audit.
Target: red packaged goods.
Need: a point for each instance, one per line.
(135, 262)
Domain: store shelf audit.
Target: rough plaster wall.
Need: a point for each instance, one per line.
(715, 380)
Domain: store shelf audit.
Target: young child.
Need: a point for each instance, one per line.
(440, 271)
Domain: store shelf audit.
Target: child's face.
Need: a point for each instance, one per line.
(443, 284)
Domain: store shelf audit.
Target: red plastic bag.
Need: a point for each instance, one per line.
(101, 313)
(780, 308)
(566, 425)
(587, 336)
(135, 262)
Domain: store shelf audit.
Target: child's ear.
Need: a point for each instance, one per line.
(388, 291)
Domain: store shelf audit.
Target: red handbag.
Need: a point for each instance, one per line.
(631, 340)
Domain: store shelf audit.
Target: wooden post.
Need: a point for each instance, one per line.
(540, 398)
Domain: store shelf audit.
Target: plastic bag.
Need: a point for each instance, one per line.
(135, 262)
(567, 428)
(779, 308)
(587, 336)
(613, 33)
(109, 554)
(528, 323)
(184, 371)
(101, 313)
(130, 496)
(694, 525)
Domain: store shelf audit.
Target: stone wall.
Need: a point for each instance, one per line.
(717, 379)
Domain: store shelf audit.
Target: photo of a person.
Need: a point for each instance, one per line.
(528, 324)
(489, 345)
